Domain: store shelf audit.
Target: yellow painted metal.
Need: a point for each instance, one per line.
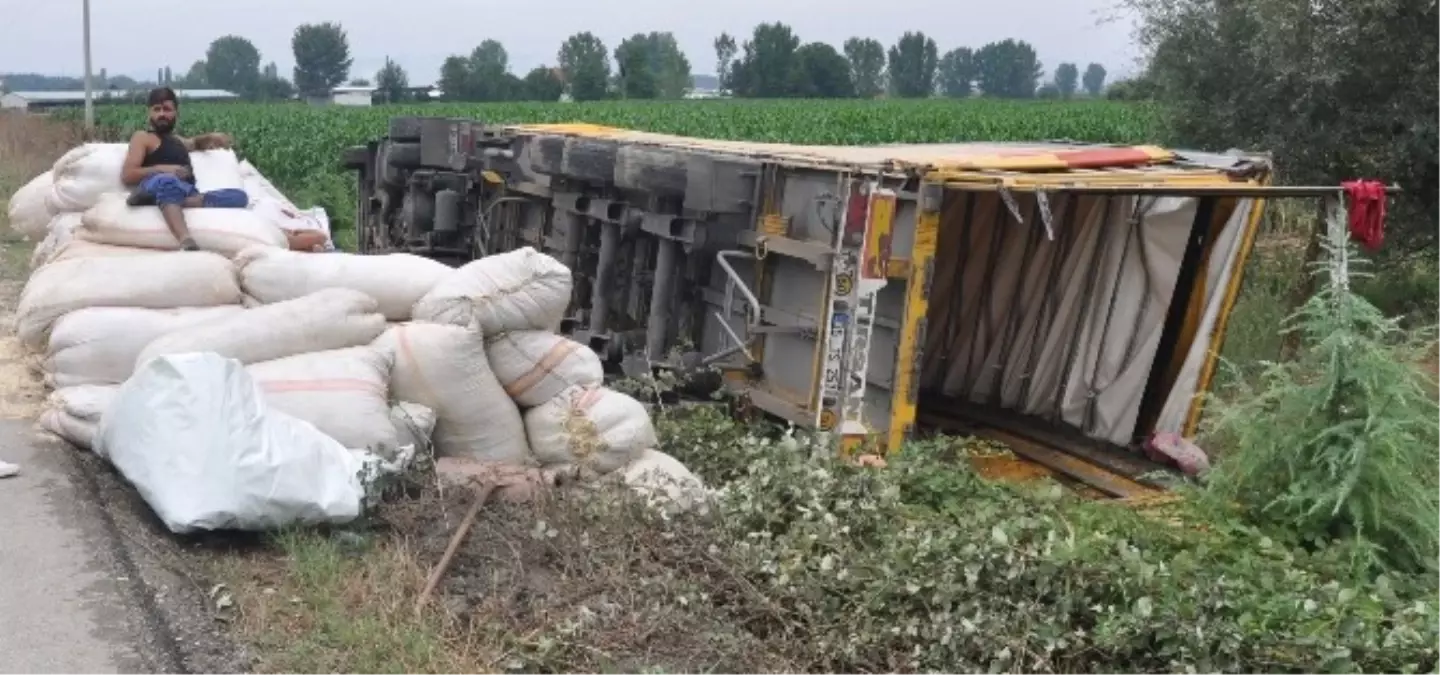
(1170, 177)
(1036, 161)
(875, 260)
(903, 403)
(898, 268)
(1222, 322)
(983, 172)
(903, 412)
(770, 219)
(576, 128)
(852, 444)
(774, 225)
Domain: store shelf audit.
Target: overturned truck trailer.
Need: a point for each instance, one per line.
(1067, 299)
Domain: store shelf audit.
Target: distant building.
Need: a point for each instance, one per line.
(40, 101)
(361, 96)
(368, 96)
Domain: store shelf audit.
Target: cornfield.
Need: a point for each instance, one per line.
(298, 146)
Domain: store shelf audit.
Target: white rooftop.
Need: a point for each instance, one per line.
(70, 96)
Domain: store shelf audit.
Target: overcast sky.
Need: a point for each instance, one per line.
(137, 37)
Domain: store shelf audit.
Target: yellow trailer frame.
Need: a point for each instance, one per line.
(836, 252)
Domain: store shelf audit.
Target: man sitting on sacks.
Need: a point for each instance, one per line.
(158, 166)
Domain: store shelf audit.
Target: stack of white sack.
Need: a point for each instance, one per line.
(570, 417)
(517, 301)
(84, 175)
(207, 451)
(444, 368)
(74, 413)
(396, 281)
(469, 363)
(83, 199)
(333, 318)
(110, 220)
(29, 211)
(345, 393)
(88, 318)
(99, 345)
(519, 290)
(225, 231)
(274, 206)
(151, 281)
(61, 244)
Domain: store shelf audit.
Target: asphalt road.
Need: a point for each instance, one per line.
(90, 582)
(65, 601)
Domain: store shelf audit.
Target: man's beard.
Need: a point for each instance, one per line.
(162, 126)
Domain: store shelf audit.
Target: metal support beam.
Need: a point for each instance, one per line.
(604, 279)
(658, 326)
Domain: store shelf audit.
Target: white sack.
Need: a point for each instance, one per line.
(414, 425)
(85, 249)
(444, 368)
(535, 366)
(335, 318)
(60, 232)
(313, 219)
(85, 174)
(216, 170)
(260, 189)
(195, 436)
(519, 290)
(156, 281)
(224, 231)
(664, 482)
(593, 427)
(74, 413)
(28, 212)
(396, 280)
(343, 392)
(99, 345)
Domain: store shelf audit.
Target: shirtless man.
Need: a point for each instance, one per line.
(158, 167)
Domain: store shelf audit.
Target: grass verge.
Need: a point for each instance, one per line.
(312, 602)
(812, 565)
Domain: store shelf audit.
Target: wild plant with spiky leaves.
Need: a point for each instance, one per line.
(1341, 443)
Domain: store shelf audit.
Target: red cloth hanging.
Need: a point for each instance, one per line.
(1367, 211)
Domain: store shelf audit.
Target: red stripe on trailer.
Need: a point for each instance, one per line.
(1104, 157)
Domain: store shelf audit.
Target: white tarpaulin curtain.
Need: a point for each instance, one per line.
(1224, 259)
(1065, 330)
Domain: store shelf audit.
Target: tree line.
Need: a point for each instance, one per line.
(772, 63)
(233, 63)
(1334, 89)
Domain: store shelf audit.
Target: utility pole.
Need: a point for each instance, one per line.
(89, 94)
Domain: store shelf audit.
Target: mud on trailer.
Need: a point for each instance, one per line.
(1067, 299)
